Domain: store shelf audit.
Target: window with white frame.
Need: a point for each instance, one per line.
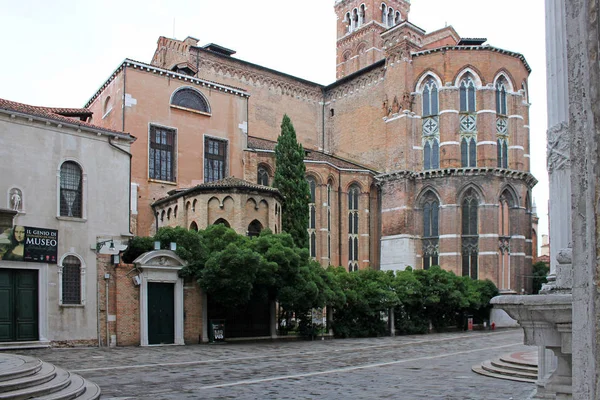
(353, 219)
(312, 222)
(329, 194)
(191, 99)
(431, 126)
(161, 154)
(504, 239)
(71, 277)
(431, 234)
(502, 151)
(215, 159)
(468, 122)
(71, 190)
(502, 132)
(470, 235)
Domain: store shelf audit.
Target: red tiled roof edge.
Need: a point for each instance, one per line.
(45, 112)
(230, 182)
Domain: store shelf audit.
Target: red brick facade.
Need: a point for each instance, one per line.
(392, 127)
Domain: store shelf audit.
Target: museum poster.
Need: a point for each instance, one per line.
(26, 243)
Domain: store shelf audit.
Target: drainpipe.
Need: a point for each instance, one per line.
(98, 312)
(107, 333)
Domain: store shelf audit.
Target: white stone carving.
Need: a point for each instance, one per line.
(16, 199)
(468, 123)
(558, 152)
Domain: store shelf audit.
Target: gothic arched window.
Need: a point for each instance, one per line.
(312, 219)
(383, 14)
(430, 124)
(501, 103)
(348, 21)
(361, 15)
(431, 234)
(502, 132)
(468, 151)
(430, 98)
(467, 94)
(353, 207)
(390, 17)
(71, 199)
(470, 235)
(506, 201)
(192, 99)
(468, 122)
(502, 151)
(329, 199)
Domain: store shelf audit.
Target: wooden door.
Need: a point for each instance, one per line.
(161, 313)
(18, 305)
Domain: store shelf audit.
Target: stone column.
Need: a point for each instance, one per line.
(558, 150)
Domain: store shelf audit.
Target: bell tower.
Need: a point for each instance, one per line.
(359, 27)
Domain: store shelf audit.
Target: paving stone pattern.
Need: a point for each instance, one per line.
(436, 366)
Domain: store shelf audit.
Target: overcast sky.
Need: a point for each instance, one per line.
(59, 52)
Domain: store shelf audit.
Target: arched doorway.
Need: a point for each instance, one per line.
(254, 228)
(222, 221)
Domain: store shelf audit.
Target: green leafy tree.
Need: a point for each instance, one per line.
(229, 275)
(369, 294)
(409, 314)
(137, 246)
(540, 272)
(291, 181)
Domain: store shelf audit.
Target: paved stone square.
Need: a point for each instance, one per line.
(436, 366)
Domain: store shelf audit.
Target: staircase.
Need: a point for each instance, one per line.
(521, 367)
(23, 377)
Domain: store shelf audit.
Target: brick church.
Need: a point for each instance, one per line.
(417, 155)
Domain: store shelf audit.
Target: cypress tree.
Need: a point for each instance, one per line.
(290, 179)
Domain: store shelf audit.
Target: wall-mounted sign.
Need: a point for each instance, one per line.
(26, 243)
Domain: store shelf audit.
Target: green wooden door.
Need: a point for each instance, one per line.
(18, 305)
(7, 306)
(161, 313)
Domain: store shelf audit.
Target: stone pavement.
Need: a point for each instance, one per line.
(436, 366)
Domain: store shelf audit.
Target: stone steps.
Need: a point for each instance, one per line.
(23, 377)
(516, 367)
(24, 345)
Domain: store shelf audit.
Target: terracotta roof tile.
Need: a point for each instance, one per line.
(233, 182)
(53, 114)
(311, 155)
(230, 182)
(68, 111)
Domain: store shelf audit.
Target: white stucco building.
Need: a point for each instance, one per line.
(69, 183)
